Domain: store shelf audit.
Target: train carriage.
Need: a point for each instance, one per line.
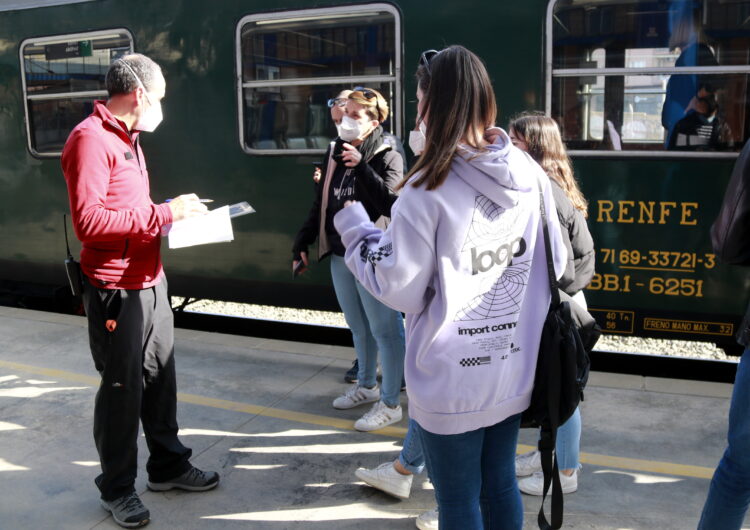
(245, 117)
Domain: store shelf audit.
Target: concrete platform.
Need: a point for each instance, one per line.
(259, 412)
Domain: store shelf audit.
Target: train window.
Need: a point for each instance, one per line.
(650, 77)
(290, 63)
(63, 75)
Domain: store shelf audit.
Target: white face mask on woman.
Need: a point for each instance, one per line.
(418, 138)
(351, 129)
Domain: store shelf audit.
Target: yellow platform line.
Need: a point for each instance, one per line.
(256, 410)
(617, 462)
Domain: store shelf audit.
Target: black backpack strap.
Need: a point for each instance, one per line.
(548, 436)
(553, 285)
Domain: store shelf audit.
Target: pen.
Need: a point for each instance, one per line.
(200, 200)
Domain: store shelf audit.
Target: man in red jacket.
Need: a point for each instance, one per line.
(131, 328)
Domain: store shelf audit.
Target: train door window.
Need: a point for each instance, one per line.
(62, 76)
(290, 63)
(650, 77)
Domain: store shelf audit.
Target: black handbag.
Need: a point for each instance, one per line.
(568, 335)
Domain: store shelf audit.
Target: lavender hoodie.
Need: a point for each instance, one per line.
(466, 263)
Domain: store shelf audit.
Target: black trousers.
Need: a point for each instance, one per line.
(132, 342)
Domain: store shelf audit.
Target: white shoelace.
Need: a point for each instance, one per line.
(378, 413)
(355, 394)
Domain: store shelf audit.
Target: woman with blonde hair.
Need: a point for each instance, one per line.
(464, 258)
(360, 165)
(539, 136)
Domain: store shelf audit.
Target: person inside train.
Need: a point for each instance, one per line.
(703, 128)
(687, 36)
(463, 257)
(360, 165)
(539, 136)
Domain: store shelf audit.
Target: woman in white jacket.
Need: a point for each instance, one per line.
(464, 258)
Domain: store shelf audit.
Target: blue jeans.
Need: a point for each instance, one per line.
(474, 475)
(568, 443)
(729, 493)
(412, 455)
(375, 328)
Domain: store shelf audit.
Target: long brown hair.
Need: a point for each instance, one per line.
(542, 136)
(459, 105)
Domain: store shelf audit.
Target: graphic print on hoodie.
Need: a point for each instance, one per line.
(495, 242)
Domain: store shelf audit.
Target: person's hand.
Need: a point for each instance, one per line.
(296, 262)
(349, 203)
(492, 134)
(351, 155)
(185, 206)
(317, 174)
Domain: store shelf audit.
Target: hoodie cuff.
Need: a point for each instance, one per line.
(350, 216)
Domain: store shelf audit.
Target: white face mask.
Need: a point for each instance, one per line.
(417, 139)
(338, 128)
(351, 129)
(151, 117)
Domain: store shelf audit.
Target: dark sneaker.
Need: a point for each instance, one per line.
(191, 480)
(128, 511)
(351, 374)
(403, 384)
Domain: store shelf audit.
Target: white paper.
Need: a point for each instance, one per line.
(213, 227)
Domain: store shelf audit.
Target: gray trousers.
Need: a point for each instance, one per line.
(131, 333)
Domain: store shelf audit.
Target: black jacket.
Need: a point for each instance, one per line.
(578, 242)
(375, 181)
(730, 233)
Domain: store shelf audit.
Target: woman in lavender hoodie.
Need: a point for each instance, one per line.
(464, 258)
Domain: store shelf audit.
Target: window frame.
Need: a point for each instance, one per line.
(314, 14)
(550, 73)
(63, 37)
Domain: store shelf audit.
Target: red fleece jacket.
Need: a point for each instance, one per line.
(113, 215)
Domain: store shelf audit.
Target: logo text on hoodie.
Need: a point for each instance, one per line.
(503, 256)
(494, 249)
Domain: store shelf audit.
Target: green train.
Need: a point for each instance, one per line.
(246, 115)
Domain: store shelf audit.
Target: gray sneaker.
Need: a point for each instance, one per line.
(128, 511)
(191, 480)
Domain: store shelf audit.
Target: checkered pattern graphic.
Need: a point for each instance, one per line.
(475, 361)
(374, 256)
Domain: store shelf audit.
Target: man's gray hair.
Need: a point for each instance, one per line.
(121, 76)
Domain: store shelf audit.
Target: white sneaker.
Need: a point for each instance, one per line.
(387, 479)
(379, 416)
(428, 520)
(355, 396)
(528, 463)
(534, 484)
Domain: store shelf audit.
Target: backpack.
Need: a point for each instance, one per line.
(568, 335)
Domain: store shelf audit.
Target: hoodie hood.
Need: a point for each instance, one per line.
(487, 171)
